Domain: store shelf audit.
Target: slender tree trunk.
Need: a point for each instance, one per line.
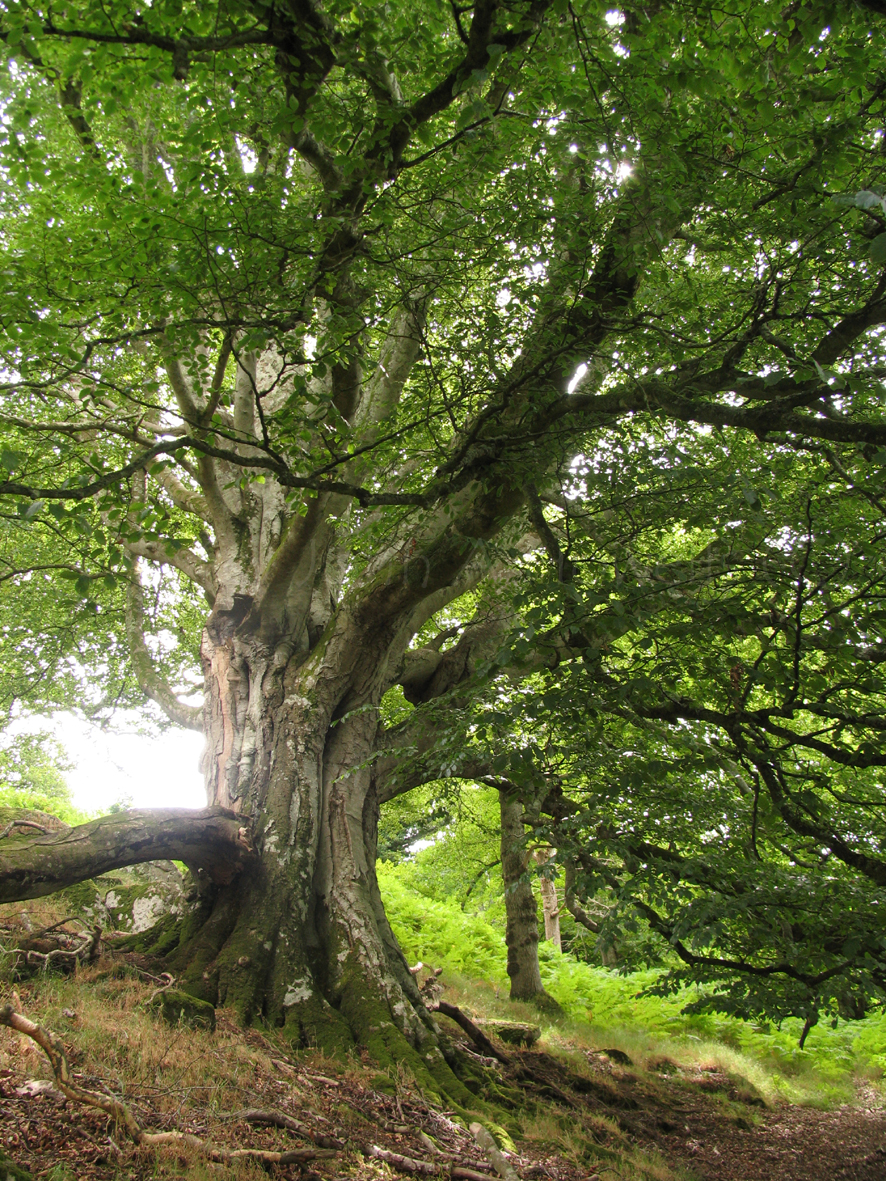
(609, 951)
(521, 933)
(549, 902)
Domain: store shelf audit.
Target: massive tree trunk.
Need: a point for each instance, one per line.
(301, 939)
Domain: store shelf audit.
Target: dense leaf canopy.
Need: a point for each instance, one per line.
(550, 334)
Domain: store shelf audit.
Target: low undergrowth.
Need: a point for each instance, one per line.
(604, 1008)
(204, 1083)
(615, 1089)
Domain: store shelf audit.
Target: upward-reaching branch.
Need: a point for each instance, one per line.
(151, 682)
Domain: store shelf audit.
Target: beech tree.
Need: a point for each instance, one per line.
(711, 768)
(310, 311)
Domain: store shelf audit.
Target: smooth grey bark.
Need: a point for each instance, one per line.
(549, 902)
(521, 934)
(212, 840)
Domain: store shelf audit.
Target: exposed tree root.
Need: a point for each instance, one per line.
(324, 1146)
(123, 1117)
(473, 1031)
(497, 1158)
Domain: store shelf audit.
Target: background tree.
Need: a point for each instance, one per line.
(296, 298)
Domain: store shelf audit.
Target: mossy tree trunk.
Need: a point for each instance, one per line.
(521, 907)
(301, 939)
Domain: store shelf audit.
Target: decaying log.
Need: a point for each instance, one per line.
(208, 839)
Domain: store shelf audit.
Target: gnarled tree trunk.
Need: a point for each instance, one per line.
(300, 939)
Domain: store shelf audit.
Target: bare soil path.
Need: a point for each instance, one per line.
(788, 1144)
(716, 1131)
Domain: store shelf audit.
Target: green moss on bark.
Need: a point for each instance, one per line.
(312, 1022)
(180, 1008)
(158, 940)
(10, 1171)
(368, 1014)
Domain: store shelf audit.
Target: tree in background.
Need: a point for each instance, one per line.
(313, 315)
(32, 775)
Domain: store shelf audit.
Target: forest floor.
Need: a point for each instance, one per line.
(578, 1116)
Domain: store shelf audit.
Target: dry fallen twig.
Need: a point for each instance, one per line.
(280, 1120)
(87, 949)
(407, 1163)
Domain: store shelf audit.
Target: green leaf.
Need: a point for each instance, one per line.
(877, 249)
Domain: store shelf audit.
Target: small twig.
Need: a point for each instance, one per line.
(23, 824)
(72, 918)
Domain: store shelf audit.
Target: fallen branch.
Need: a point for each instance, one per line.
(407, 1163)
(52, 1047)
(458, 1159)
(87, 949)
(123, 1117)
(474, 1033)
(281, 1120)
(497, 1158)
